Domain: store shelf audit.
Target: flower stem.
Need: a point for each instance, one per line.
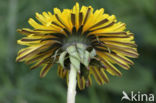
(72, 85)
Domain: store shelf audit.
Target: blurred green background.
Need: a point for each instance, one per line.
(20, 85)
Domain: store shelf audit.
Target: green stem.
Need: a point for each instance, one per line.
(72, 85)
(77, 55)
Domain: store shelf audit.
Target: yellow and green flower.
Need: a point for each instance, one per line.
(92, 41)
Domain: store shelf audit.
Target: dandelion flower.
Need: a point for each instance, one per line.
(89, 41)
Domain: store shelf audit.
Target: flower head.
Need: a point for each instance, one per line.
(92, 41)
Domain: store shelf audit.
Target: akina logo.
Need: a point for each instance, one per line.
(140, 97)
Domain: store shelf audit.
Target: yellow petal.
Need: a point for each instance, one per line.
(45, 70)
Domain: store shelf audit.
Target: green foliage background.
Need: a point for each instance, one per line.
(20, 85)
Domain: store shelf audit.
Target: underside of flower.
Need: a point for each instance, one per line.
(91, 41)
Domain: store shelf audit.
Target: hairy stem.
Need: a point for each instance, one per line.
(72, 85)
